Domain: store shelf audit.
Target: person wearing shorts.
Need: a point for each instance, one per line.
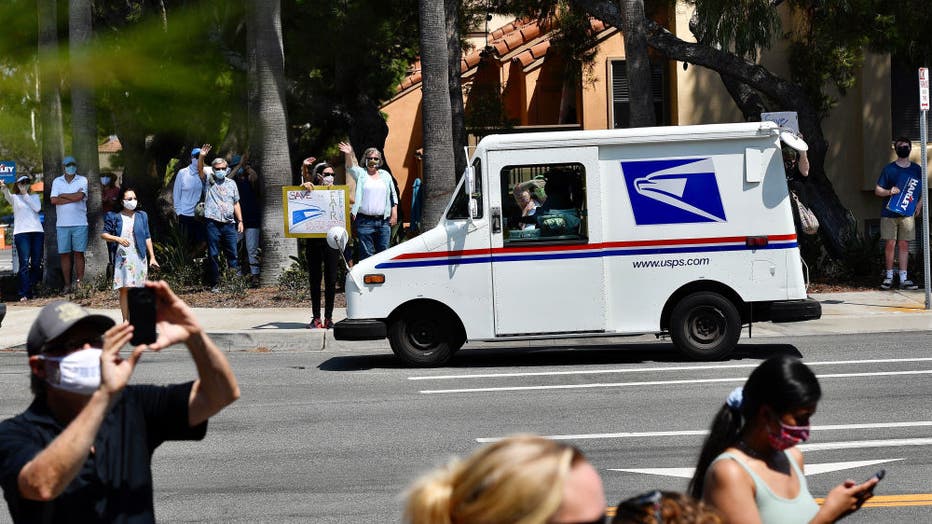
(897, 230)
(69, 195)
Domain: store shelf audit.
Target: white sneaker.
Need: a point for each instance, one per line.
(887, 283)
(908, 285)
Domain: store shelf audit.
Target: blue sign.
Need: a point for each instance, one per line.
(7, 171)
(673, 191)
(904, 202)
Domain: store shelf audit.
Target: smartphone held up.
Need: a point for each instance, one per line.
(142, 305)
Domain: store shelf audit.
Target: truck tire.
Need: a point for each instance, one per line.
(705, 326)
(424, 337)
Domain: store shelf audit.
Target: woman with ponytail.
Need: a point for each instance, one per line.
(519, 480)
(750, 468)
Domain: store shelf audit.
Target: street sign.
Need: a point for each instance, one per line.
(7, 171)
(923, 88)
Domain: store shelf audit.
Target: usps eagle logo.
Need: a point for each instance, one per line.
(678, 191)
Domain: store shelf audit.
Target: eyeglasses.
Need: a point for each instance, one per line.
(644, 503)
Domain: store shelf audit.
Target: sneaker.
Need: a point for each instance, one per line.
(23, 299)
(215, 289)
(887, 283)
(908, 285)
(328, 323)
(315, 324)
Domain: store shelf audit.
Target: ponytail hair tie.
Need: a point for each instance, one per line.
(735, 398)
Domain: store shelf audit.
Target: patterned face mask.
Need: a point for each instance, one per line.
(788, 436)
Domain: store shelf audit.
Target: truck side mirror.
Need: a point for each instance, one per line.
(337, 238)
(470, 190)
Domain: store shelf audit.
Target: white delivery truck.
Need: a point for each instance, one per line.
(686, 231)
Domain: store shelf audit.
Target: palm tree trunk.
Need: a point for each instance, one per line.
(269, 126)
(637, 63)
(439, 169)
(52, 135)
(454, 59)
(84, 129)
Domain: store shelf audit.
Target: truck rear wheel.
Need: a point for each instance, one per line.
(424, 337)
(705, 326)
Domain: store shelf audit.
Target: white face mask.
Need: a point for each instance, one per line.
(328, 180)
(23, 188)
(129, 204)
(78, 372)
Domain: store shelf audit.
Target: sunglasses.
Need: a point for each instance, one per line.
(71, 165)
(373, 158)
(644, 503)
(601, 520)
(76, 342)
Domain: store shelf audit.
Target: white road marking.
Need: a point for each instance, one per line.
(864, 444)
(702, 432)
(652, 369)
(660, 382)
(811, 469)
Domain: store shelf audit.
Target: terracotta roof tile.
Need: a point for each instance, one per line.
(504, 40)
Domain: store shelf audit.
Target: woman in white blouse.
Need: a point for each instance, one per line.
(27, 234)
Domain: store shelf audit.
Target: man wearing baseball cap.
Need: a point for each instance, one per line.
(69, 195)
(187, 192)
(82, 451)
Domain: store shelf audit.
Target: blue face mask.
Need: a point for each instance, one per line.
(71, 169)
(220, 174)
(104, 180)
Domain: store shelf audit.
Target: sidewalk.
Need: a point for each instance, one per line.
(283, 329)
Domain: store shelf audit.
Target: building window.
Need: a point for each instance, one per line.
(544, 203)
(621, 100)
(904, 88)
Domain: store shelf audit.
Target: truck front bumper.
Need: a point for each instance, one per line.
(360, 329)
(795, 310)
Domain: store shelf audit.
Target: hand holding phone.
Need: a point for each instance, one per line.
(879, 476)
(142, 315)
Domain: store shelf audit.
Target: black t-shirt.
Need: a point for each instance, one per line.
(115, 482)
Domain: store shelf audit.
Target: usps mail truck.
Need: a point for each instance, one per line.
(686, 231)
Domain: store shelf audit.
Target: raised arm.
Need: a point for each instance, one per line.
(200, 161)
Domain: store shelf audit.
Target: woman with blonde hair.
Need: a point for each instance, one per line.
(522, 479)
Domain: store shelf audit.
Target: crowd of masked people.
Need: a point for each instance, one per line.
(216, 205)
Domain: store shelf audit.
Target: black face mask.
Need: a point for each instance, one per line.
(903, 151)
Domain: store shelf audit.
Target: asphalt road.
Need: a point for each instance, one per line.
(335, 437)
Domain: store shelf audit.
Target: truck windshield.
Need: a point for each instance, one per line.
(459, 210)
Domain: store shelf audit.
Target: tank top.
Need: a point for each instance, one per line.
(772, 508)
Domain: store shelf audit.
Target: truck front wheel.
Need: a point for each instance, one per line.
(705, 326)
(423, 337)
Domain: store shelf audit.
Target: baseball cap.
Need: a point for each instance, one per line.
(68, 160)
(56, 319)
(196, 151)
(24, 178)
